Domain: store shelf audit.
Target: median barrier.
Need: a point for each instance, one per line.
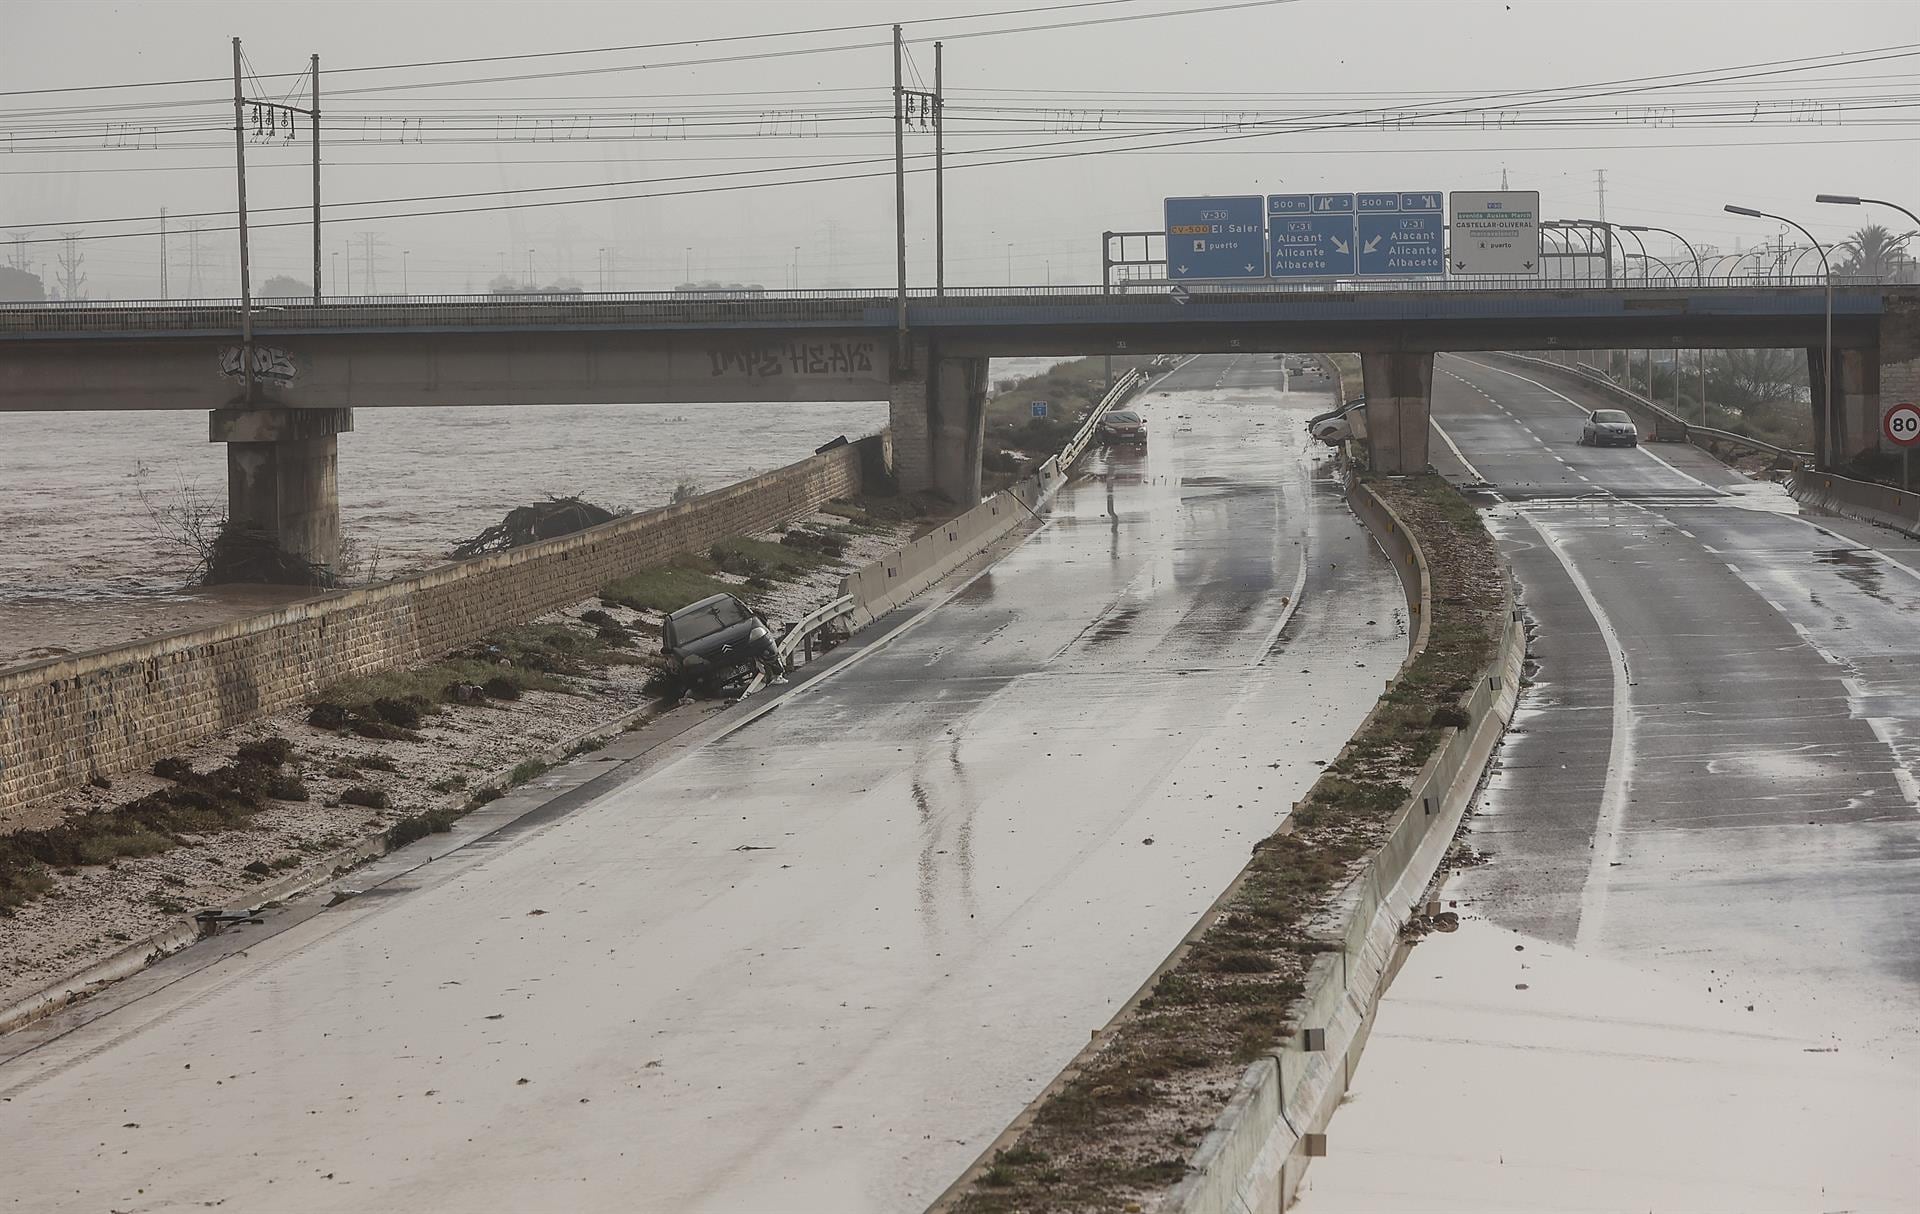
(1862, 500)
(1257, 1151)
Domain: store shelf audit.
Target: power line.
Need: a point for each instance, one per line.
(734, 38)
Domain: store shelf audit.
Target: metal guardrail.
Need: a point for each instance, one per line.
(1077, 445)
(801, 636)
(1673, 422)
(820, 307)
(1743, 440)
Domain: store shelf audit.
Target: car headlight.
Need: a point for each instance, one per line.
(759, 633)
(694, 659)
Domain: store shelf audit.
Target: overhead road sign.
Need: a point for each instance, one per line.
(1401, 235)
(1311, 236)
(1216, 238)
(1495, 232)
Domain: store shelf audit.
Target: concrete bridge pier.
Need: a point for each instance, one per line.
(1399, 387)
(1856, 383)
(281, 475)
(938, 410)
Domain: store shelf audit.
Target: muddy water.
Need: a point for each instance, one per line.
(83, 564)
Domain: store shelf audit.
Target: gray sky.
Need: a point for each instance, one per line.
(1770, 140)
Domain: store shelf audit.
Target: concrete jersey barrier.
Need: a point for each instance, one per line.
(1862, 500)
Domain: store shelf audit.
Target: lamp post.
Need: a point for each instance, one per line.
(1827, 360)
(1701, 355)
(1009, 264)
(1850, 200)
(405, 290)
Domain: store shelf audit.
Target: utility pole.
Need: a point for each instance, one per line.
(939, 180)
(900, 346)
(163, 254)
(314, 114)
(73, 284)
(246, 285)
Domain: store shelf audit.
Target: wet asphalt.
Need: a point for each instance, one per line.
(1688, 974)
(820, 961)
(1714, 771)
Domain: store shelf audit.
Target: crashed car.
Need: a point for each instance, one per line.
(717, 641)
(1122, 426)
(1341, 426)
(1609, 428)
(1313, 423)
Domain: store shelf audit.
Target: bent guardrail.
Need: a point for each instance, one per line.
(801, 636)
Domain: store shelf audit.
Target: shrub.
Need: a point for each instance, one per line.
(172, 767)
(501, 687)
(285, 787)
(327, 716)
(271, 752)
(361, 794)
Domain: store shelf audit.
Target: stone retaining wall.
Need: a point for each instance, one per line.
(115, 710)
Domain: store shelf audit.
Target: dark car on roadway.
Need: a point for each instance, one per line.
(1122, 426)
(716, 641)
(1609, 428)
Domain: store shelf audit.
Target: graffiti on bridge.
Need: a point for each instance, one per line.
(796, 358)
(271, 365)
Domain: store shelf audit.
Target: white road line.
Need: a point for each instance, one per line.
(1455, 448)
(1607, 830)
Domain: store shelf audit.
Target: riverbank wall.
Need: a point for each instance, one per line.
(67, 720)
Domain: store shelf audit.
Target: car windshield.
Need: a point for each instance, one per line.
(1123, 415)
(707, 620)
(1610, 415)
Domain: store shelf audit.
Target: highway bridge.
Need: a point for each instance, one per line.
(814, 956)
(281, 401)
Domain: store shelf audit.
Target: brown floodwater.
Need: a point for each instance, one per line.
(85, 560)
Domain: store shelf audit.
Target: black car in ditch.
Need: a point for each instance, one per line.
(716, 641)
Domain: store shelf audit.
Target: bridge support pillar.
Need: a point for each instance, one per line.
(1399, 386)
(938, 411)
(1857, 389)
(281, 477)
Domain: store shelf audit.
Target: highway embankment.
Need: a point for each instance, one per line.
(1214, 1086)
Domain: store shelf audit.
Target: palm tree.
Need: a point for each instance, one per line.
(1873, 251)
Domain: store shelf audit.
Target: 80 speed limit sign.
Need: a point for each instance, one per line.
(1902, 425)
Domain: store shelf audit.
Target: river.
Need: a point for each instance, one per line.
(86, 560)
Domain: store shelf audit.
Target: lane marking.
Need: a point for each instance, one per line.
(1455, 448)
(1607, 837)
(1640, 447)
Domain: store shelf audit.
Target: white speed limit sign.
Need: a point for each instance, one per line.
(1902, 424)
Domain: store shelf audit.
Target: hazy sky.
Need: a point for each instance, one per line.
(1671, 156)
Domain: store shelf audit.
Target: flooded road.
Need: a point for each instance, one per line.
(1705, 874)
(818, 963)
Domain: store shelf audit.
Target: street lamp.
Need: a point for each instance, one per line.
(404, 288)
(1833, 414)
(1849, 200)
(1700, 355)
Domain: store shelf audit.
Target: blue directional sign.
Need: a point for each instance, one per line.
(1401, 234)
(1310, 235)
(1216, 238)
(1039, 408)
